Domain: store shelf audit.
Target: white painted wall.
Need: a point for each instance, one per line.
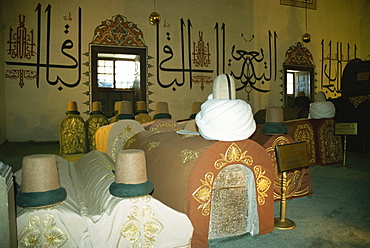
(32, 113)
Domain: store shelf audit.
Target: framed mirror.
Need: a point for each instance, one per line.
(298, 81)
(298, 76)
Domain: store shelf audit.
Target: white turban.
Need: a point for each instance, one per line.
(225, 120)
(319, 110)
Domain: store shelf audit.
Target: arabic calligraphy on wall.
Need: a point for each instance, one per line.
(22, 47)
(198, 66)
(333, 62)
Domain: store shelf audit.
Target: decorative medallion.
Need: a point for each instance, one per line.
(119, 32)
(298, 55)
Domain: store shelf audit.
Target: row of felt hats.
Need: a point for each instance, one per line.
(41, 188)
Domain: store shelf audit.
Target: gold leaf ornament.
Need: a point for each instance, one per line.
(233, 154)
(203, 193)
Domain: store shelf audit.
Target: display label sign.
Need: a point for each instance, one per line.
(345, 128)
(292, 156)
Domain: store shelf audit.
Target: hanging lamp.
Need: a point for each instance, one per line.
(306, 37)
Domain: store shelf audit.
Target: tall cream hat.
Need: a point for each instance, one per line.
(274, 122)
(141, 107)
(161, 111)
(116, 106)
(224, 87)
(125, 111)
(96, 106)
(130, 175)
(72, 106)
(40, 186)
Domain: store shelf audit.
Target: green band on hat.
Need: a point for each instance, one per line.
(125, 116)
(40, 199)
(142, 112)
(72, 113)
(274, 128)
(162, 116)
(96, 113)
(131, 190)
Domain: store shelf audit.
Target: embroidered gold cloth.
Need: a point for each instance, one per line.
(329, 147)
(72, 135)
(92, 125)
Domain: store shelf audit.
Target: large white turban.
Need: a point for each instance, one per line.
(321, 108)
(225, 120)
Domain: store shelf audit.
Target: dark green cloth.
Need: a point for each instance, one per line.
(274, 128)
(162, 116)
(131, 190)
(192, 116)
(40, 199)
(96, 113)
(72, 113)
(142, 112)
(125, 116)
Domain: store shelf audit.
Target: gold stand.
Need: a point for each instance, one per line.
(282, 222)
(344, 166)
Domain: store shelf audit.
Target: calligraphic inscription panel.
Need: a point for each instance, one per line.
(229, 212)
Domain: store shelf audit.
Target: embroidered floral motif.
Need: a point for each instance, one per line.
(304, 132)
(233, 154)
(123, 138)
(141, 228)
(185, 136)
(203, 194)
(263, 184)
(53, 236)
(173, 126)
(129, 143)
(152, 145)
(187, 155)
